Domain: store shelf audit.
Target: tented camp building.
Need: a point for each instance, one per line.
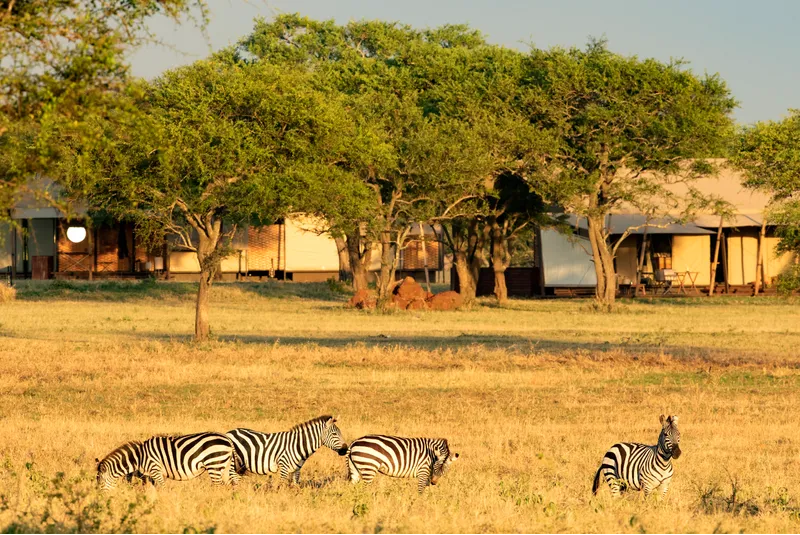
(662, 250)
(44, 244)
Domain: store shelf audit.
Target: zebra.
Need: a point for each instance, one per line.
(639, 466)
(286, 451)
(427, 459)
(174, 457)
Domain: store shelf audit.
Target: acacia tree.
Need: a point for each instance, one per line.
(480, 88)
(626, 129)
(422, 160)
(203, 150)
(769, 154)
(61, 61)
(514, 211)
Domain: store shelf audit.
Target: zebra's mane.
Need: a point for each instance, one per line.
(135, 443)
(318, 419)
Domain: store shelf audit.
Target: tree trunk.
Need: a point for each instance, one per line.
(467, 280)
(201, 323)
(500, 261)
(386, 282)
(209, 262)
(603, 264)
(345, 271)
(359, 251)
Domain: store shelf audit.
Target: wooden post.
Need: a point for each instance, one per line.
(640, 267)
(725, 263)
(760, 257)
(13, 253)
(91, 234)
(425, 258)
(712, 279)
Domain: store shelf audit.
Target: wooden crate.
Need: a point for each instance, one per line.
(41, 267)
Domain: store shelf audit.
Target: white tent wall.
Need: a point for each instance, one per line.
(627, 260)
(742, 249)
(692, 253)
(775, 263)
(566, 262)
(307, 249)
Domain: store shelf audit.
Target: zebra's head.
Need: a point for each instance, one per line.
(441, 451)
(670, 437)
(120, 463)
(332, 437)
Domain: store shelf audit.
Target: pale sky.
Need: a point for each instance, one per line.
(754, 46)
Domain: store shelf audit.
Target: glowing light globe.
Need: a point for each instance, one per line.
(76, 234)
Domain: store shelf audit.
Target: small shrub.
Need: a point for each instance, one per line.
(338, 287)
(789, 281)
(71, 505)
(7, 293)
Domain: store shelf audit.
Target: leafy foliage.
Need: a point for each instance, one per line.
(769, 154)
(626, 130)
(58, 62)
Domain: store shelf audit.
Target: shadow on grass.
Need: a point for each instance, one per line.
(516, 344)
(119, 290)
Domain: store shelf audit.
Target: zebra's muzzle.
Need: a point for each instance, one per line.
(342, 451)
(676, 451)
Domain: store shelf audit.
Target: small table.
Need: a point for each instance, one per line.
(692, 280)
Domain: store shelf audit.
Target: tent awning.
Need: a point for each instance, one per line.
(637, 223)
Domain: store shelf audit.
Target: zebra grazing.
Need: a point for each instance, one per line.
(286, 451)
(427, 459)
(642, 467)
(181, 458)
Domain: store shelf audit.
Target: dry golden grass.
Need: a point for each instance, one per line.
(531, 396)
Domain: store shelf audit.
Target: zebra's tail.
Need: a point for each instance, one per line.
(596, 484)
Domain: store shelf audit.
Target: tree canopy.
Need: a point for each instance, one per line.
(625, 129)
(769, 153)
(205, 149)
(59, 61)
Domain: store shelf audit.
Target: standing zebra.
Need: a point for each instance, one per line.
(181, 458)
(286, 451)
(642, 467)
(427, 459)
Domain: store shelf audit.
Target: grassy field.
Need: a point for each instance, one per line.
(530, 395)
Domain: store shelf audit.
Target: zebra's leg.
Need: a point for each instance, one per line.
(664, 486)
(296, 475)
(612, 481)
(352, 472)
(368, 474)
(284, 470)
(423, 477)
(157, 477)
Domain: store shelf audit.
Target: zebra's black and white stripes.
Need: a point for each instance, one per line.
(285, 451)
(427, 459)
(641, 467)
(164, 457)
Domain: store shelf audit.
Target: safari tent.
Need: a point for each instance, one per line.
(687, 249)
(44, 244)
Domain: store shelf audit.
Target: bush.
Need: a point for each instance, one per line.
(789, 281)
(7, 293)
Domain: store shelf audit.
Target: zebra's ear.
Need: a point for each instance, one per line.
(661, 419)
(96, 460)
(330, 421)
(673, 420)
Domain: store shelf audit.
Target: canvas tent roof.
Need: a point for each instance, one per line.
(619, 223)
(32, 202)
(748, 208)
